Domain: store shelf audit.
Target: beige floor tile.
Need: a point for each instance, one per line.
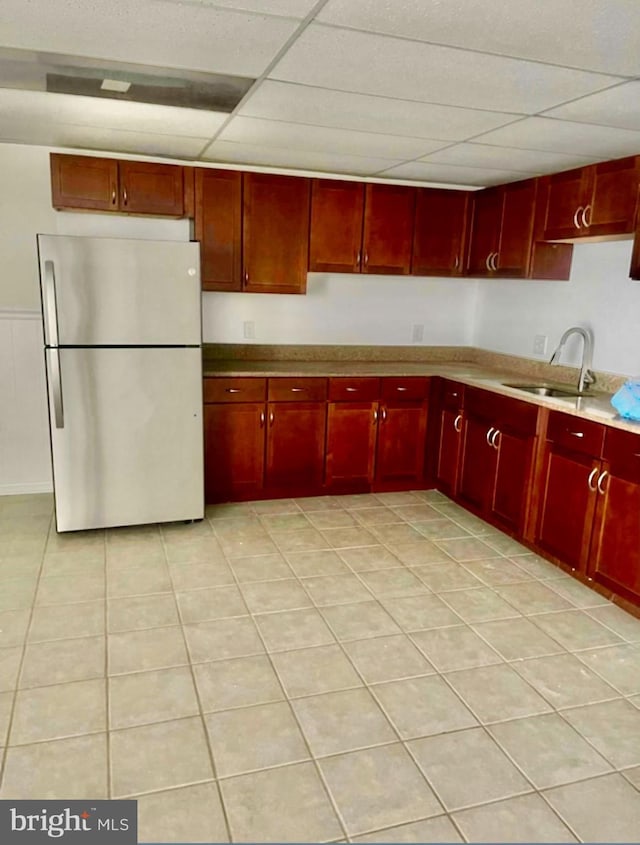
(358, 621)
(346, 538)
(443, 577)
(497, 571)
(17, 593)
(192, 576)
(252, 738)
(131, 534)
(575, 630)
(342, 721)
(440, 528)
(139, 582)
(633, 776)
(305, 540)
(358, 501)
(319, 503)
(523, 819)
(211, 603)
(400, 499)
(313, 563)
(139, 651)
(275, 523)
(190, 814)
(145, 697)
(387, 659)
(248, 546)
(420, 554)
(63, 621)
(142, 555)
(59, 711)
(224, 638)
(64, 769)
(533, 597)
(517, 639)
(635, 700)
(548, 750)
(417, 513)
(236, 683)
(580, 595)
(539, 567)
(612, 727)
(62, 589)
(467, 768)
(231, 509)
(618, 665)
(507, 545)
(260, 568)
(9, 666)
(265, 596)
(245, 525)
(311, 671)
(466, 548)
(159, 756)
(564, 681)
(438, 829)
(479, 605)
(63, 661)
(454, 648)
(623, 623)
(423, 707)
(414, 613)
(21, 567)
(293, 629)
(273, 506)
(13, 627)
(605, 809)
(336, 589)
(202, 550)
(139, 612)
(177, 530)
(495, 693)
(6, 703)
(369, 797)
(369, 557)
(393, 533)
(393, 583)
(375, 516)
(288, 804)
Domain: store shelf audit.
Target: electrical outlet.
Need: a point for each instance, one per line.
(540, 344)
(417, 333)
(249, 329)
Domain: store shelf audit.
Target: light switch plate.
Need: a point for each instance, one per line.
(249, 329)
(540, 344)
(417, 333)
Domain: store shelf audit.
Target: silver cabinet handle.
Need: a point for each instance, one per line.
(586, 222)
(262, 419)
(358, 258)
(601, 482)
(298, 389)
(383, 411)
(494, 261)
(402, 389)
(366, 258)
(454, 395)
(457, 423)
(576, 433)
(50, 304)
(125, 196)
(113, 197)
(576, 222)
(246, 277)
(489, 435)
(487, 261)
(375, 417)
(53, 356)
(494, 439)
(233, 390)
(456, 262)
(271, 418)
(352, 389)
(592, 476)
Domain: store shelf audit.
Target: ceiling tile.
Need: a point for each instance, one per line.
(298, 136)
(543, 133)
(305, 104)
(320, 162)
(527, 161)
(37, 107)
(172, 35)
(451, 174)
(374, 64)
(590, 34)
(619, 106)
(288, 8)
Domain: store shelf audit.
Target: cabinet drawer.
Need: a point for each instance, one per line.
(452, 395)
(235, 389)
(576, 434)
(502, 411)
(354, 389)
(622, 452)
(297, 389)
(412, 388)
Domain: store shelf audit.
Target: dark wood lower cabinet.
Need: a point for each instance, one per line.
(448, 451)
(234, 451)
(351, 445)
(295, 446)
(400, 456)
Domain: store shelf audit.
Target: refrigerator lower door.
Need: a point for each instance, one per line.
(126, 435)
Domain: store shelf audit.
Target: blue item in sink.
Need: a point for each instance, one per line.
(627, 400)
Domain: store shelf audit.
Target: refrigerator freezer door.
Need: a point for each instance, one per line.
(117, 292)
(128, 448)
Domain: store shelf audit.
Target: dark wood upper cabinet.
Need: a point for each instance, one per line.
(484, 238)
(84, 182)
(275, 233)
(565, 202)
(549, 261)
(335, 238)
(388, 229)
(148, 188)
(439, 233)
(218, 228)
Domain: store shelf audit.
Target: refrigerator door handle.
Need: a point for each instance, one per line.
(50, 305)
(56, 386)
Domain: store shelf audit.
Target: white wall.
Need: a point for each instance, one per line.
(599, 295)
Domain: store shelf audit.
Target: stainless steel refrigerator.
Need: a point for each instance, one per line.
(123, 335)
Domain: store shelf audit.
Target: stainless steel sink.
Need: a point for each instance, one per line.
(547, 390)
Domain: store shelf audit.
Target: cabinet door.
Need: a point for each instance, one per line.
(567, 197)
(568, 505)
(234, 436)
(477, 468)
(402, 430)
(548, 260)
(295, 445)
(511, 479)
(147, 188)
(218, 227)
(388, 229)
(485, 229)
(612, 208)
(84, 182)
(439, 234)
(275, 233)
(448, 460)
(516, 229)
(335, 238)
(351, 445)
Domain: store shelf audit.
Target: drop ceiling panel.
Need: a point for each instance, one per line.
(542, 133)
(324, 107)
(527, 161)
(589, 34)
(374, 64)
(288, 8)
(227, 151)
(451, 174)
(173, 35)
(298, 136)
(35, 107)
(618, 106)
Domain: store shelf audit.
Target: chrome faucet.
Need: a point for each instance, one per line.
(587, 376)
